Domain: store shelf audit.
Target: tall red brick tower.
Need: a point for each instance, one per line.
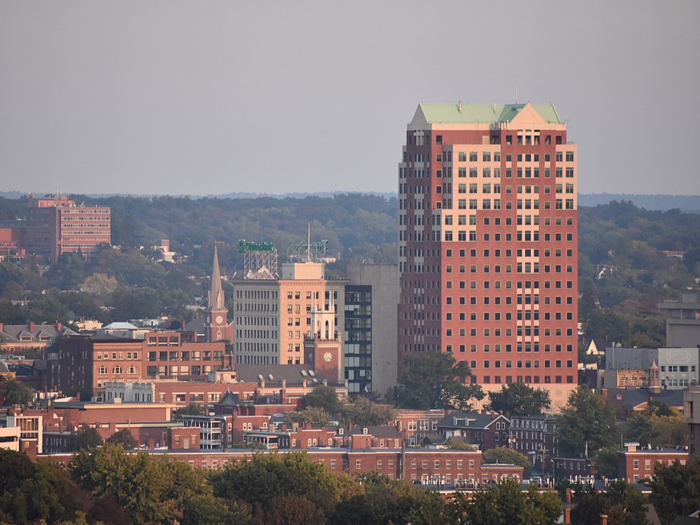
(488, 243)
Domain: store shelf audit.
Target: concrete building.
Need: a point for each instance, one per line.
(371, 299)
(683, 321)
(272, 315)
(488, 243)
(691, 412)
(677, 367)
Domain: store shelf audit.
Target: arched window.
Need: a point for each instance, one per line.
(117, 370)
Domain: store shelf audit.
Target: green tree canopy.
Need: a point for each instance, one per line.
(86, 437)
(586, 424)
(323, 397)
(310, 416)
(363, 412)
(15, 392)
(387, 501)
(675, 489)
(519, 399)
(435, 380)
(620, 501)
(507, 456)
(148, 490)
(123, 437)
(505, 502)
(32, 492)
(659, 427)
(267, 477)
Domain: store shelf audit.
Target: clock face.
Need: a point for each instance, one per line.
(219, 319)
(327, 357)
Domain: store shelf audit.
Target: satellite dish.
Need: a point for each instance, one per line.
(270, 377)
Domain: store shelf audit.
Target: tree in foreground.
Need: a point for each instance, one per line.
(519, 399)
(507, 456)
(148, 490)
(384, 501)
(675, 489)
(505, 502)
(268, 481)
(435, 380)
(35, 492)
(621, 502)
(586, 424)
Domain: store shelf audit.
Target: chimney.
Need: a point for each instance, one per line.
(59, 326)
(32, 326)
(2, 327)
(567, 515)
(603, 519)
(568, 495)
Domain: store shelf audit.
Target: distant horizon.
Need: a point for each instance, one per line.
(18, 194)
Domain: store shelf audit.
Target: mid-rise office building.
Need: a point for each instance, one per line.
(488, 243)
(371, 296)
(272, 315)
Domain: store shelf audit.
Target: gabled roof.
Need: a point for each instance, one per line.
(11, 333)
(482, 113)
(229, 399)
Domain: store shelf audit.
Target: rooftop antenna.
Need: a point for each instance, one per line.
(308, 244)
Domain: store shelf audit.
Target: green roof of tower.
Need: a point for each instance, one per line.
(483, 113)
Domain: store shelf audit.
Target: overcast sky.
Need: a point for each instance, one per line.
(210, 97)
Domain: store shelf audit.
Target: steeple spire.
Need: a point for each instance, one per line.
(216, 294)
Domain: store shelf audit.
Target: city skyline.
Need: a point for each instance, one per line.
(214, 98)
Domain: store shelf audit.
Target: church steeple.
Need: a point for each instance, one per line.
(218, 327)
(216, 294)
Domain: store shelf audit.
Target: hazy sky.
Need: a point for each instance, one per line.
(209, 97)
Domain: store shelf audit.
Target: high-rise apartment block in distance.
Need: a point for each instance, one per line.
(54, 226)
(488, 243)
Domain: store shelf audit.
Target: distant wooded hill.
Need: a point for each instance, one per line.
(630, 258)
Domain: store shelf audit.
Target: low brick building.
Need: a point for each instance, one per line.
(637, 464)
(487, 431)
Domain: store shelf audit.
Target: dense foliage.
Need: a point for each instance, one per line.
(435, 380)
(620, 501)
(624, 266)
(586, 425)
(519, 399)
(676, 489)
